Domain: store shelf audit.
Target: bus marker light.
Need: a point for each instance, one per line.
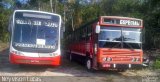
(129, 65)
(114, 65)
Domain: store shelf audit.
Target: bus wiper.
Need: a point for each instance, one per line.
(129, 45)
(123, 40)
(116, 45)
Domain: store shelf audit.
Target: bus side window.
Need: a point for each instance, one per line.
(83, 34)
(90, 37)
(73, 38)
(88, 33)
(80, 33)
(78, 36)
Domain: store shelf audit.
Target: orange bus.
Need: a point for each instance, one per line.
(109, 42)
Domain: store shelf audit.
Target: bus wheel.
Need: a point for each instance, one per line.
(89, 64)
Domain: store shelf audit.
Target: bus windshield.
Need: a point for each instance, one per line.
(35, 33)
(120, 37)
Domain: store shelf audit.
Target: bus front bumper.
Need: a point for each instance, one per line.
(119, 66)
(16, 59)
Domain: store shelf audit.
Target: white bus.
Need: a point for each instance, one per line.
(35, 38)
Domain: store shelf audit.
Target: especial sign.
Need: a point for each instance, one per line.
(122, 22)
(130, 22)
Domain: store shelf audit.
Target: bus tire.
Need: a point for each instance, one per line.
(88, 64)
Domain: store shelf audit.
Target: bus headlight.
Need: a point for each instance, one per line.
(135, 59)
(18, 53)
(109, 59)
(51, 54)
(104, 59)
(54, 54)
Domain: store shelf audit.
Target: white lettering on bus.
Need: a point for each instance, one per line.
(37, 23)
(51, 24)
(18, 21)
(34, 46)
(129, 22)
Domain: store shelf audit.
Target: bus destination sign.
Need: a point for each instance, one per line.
(130, 22)
(124, 22)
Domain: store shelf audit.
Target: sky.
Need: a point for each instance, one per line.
(23, 1)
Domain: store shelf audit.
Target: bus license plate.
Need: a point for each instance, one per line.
(106, 65)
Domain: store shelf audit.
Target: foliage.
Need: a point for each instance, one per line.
(4, 17)
(156, 64)
(78, 12)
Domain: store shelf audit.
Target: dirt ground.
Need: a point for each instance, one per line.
(72, 71)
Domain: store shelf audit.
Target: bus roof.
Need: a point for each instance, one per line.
(119, 17)
(100, 20)
(36, 11)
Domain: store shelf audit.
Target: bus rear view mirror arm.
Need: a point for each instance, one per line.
(97, 29)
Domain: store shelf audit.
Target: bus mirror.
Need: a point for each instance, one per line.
(97, 29)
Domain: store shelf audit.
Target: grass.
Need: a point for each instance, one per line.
(156, 64)
(3, 45)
